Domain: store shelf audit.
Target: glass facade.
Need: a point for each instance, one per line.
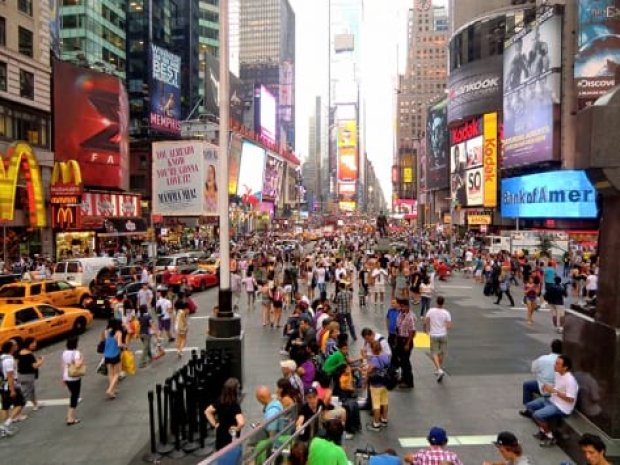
(93, 33)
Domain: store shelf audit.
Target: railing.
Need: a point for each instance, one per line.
(284, 449)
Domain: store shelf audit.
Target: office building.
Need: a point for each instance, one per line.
(267, 56)
(92, 34)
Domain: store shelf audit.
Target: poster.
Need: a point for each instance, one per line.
(457, 173)
(474, 187)
(210, 199)
(234, 160)
(274, 169)
(437, 147)
(165, 90)
(250, 186)
(179, 178)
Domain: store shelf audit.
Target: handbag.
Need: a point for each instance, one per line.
(101, 346)
(75, 369)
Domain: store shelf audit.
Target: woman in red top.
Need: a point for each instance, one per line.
(531, 288)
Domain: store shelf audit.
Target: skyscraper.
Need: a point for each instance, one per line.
(267, 56)
(92, 34)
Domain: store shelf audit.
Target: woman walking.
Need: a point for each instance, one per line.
(28, 369)
(72, 355)
(112, 355)
(531, 295)
(277, 302)
(225, 414)
(181, 325)
(265, 301)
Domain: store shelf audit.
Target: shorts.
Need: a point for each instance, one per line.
(478, 273)
(439, 345)
(379, 396)
(27, 386)
(113, 360)
(557, 310)
(379, 288)
(8, 401)
(164, 325)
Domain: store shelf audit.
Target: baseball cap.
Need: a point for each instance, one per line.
(311, 391)
(506, 438)
(437, 436)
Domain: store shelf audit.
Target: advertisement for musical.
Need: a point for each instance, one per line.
(274, 170)
(437, 147)
(532, 74)
(210, 154)
(179, 178)
(165, 90)
(598, 47)
(91, 127)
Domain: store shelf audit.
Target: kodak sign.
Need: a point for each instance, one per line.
(66, 179)
(20, 158)
(490, 160)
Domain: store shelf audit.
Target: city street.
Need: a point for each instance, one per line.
(490, 350)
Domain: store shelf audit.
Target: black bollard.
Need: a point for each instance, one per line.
(152, 456)
(191, 409)
(160, 420)
(177, 453)
(181, 414)
(164, 447)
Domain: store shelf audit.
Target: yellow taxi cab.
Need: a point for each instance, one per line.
(40, 321)
(60, 293)
(210, 264)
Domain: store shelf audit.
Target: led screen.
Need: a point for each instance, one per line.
(251, 171)
(267, 114)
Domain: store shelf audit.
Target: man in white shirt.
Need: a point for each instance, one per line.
(543, 368)
(437, 323)
(144, 276)
(592, 284)
(145, 296)
(163, 306)
(320, 278)
(369, 337)
(560, 403)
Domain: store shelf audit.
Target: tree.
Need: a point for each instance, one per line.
(545, 245)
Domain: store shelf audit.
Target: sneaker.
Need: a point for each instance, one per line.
(525, 413)
(440, 376)
(540, 436)
(348, 436)
(375, 426)
(384, 421)
(19, 418)
(547, 442)
(559, 330)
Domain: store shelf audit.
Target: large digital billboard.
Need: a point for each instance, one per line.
(212, 90)
(165, 90)
(91, 114)
(437, 147)
(598, 47)
(532, 72)
(251, 171)
(555, 194)
(274, 170)
(234, 160)
(347, 151)
(265, 113)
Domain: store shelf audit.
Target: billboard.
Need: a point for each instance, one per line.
(91, 114)
(184, 178)
(466, 160)
(274, 170)
(251, 170)
(165, 90)
(598, 47)
(555, 194)
(265, 108)
(474, 187)
(347, 151)
(109, 205)
(234, 159)
(490, 155)
(212, 90)
(437, 147)
(532, 72)
(475, 88)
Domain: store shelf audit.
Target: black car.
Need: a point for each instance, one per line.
(103, 303)
(110, 278)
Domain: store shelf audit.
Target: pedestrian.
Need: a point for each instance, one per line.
(511, 451)
(28, 369)
(554, 296)
(113, 337)
(163, 309)
(146, 334)
(327, 450)
(437, 323)
(249, 284)
(378, 366)
(405, 330)
(12, 398)
(426, 295)
(593, 449)
(343, 300)
(543, 368)
(531, 295)
(235, 288)
(436, 454)
(390, 323)
(145, 296)
(310, 408)
(225, 414)
(379, 276)
(276, 294)
(265, 304)
(71, 355)
(504, 288)
(591, 283)
(272, 407)
(181, 324)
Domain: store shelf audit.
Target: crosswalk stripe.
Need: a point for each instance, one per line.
(51, 402)
(419, 442)
(198, 317)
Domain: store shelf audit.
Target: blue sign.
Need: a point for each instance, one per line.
(556, 194)
(165, 90)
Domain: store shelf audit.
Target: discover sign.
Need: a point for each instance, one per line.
(556, 194)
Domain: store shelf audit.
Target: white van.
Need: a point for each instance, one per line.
(81, 271)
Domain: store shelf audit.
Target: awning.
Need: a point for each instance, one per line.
(115, 227)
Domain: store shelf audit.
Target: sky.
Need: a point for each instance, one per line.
(384, 36)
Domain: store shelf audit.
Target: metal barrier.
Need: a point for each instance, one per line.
(284, 449)
(252, 446)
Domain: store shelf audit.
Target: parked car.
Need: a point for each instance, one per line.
(210, 264)
(173, 263)
(60, 293)
(197, 279)
(81, 271)
(40, 321)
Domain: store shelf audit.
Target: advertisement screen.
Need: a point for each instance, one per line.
(598, 47)
(474, 186)
(532, 62)
(466, 143)
(91, 114)
(437, 147)
(274, 169)
(556, 194)
(181, 183)
(165, 89)
(267, 114)
(212, 90)
(490, 159)
(347, 151)
(234, 159)
(251, 171)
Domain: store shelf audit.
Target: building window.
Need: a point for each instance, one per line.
(21, 123)
(25, 42)
(3, 87)
(2, 31)
(25, 6)
(26, 84)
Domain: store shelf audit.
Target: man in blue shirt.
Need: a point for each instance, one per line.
(271, 408)
(390, 323)
(544, 370)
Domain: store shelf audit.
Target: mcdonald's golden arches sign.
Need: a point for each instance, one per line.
(20, 158)
(65, 217)
(66, 179)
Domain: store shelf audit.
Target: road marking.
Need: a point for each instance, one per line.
(51, 402)
(451, 286)
(419, 442)
(172, 349)
(543, 310)
(198, 317)
(421, 340)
